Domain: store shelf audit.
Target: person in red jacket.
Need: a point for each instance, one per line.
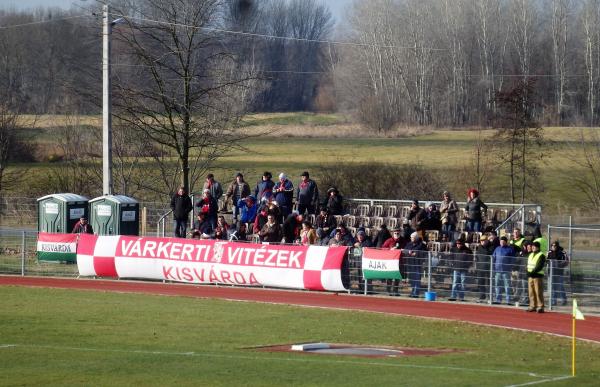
(395, 242)
(82, 227)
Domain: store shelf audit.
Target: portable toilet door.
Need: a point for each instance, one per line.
(114, 215)
(102, 216)
(58, 213)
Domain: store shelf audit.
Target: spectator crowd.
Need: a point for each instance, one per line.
(509, 268)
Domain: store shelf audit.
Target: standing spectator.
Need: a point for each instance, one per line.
(83, 227)
(291, 227)
(209, 206)
(335, 202)
(417, 217)
(395, 242)
(307, 195)
(181, 205)
(475, 209)
(449, 212)
(520, 245)
(433, 219)
(503, 257)
(238, 189)
(308, 236)
(415, 252)
(462, 259)
(271, 231)
(482, 266)
(216, 191)
(325, 224)
(284, 194)
(361, 242)
(248, 209)
(560, 261)
(383, 235)
(264, 187)
(535, 274)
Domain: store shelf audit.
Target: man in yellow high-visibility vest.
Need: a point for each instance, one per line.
(536, 261)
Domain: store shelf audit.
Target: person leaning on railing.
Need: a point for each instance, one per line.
(560, 261)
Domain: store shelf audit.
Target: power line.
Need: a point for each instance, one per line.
(266, 36)
(42, 22)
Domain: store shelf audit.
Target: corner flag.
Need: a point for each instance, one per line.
(577, 315)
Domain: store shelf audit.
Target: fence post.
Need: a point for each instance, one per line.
(550, 278)
(429, 271)
(23, 247)
(490, 300)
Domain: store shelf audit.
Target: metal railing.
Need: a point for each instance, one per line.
(472, 277)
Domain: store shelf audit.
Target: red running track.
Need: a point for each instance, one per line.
(549, 322)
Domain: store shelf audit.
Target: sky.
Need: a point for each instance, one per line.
(336, 6)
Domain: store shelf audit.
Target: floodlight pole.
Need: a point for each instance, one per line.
(107, 182)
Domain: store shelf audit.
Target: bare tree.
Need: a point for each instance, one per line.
(590, 21)
(585, 154)
(560, 38)
(519, 139)
(186, 92)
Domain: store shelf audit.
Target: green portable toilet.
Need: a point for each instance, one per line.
(115, 215)
(58, 213)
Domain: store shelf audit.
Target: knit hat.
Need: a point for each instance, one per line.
(282, 176)
(414, 235)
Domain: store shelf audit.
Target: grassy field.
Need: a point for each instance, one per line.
(304, 141)
(67, 337)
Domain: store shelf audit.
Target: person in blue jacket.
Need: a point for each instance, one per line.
(248, 209)
(503, 261)
(284, 194)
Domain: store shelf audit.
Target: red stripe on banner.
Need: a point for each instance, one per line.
(86, 244)
(105, 267)
(62, 238)
(312, 280)
(381, 254)
(334, 258)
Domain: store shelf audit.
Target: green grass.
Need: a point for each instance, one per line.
(300, 118)
(66, 337)
(297, 148)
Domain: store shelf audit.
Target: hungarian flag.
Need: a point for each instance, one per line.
(381, 264)
(57, 247)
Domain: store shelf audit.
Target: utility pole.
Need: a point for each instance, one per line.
(107, 183)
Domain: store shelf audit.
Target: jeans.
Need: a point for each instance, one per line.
(448, 230)
(236, 210)
(180, 228)
(458, 284)
(414, 276)
(505, 278)
(473, 225)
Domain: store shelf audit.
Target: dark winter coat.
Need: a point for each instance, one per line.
(181, 205)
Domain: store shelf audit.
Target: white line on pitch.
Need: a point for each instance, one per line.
(295, 359)
(542, 381)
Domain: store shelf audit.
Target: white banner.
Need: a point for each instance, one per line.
(210, 261)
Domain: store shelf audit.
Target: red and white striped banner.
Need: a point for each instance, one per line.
(211, 261)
